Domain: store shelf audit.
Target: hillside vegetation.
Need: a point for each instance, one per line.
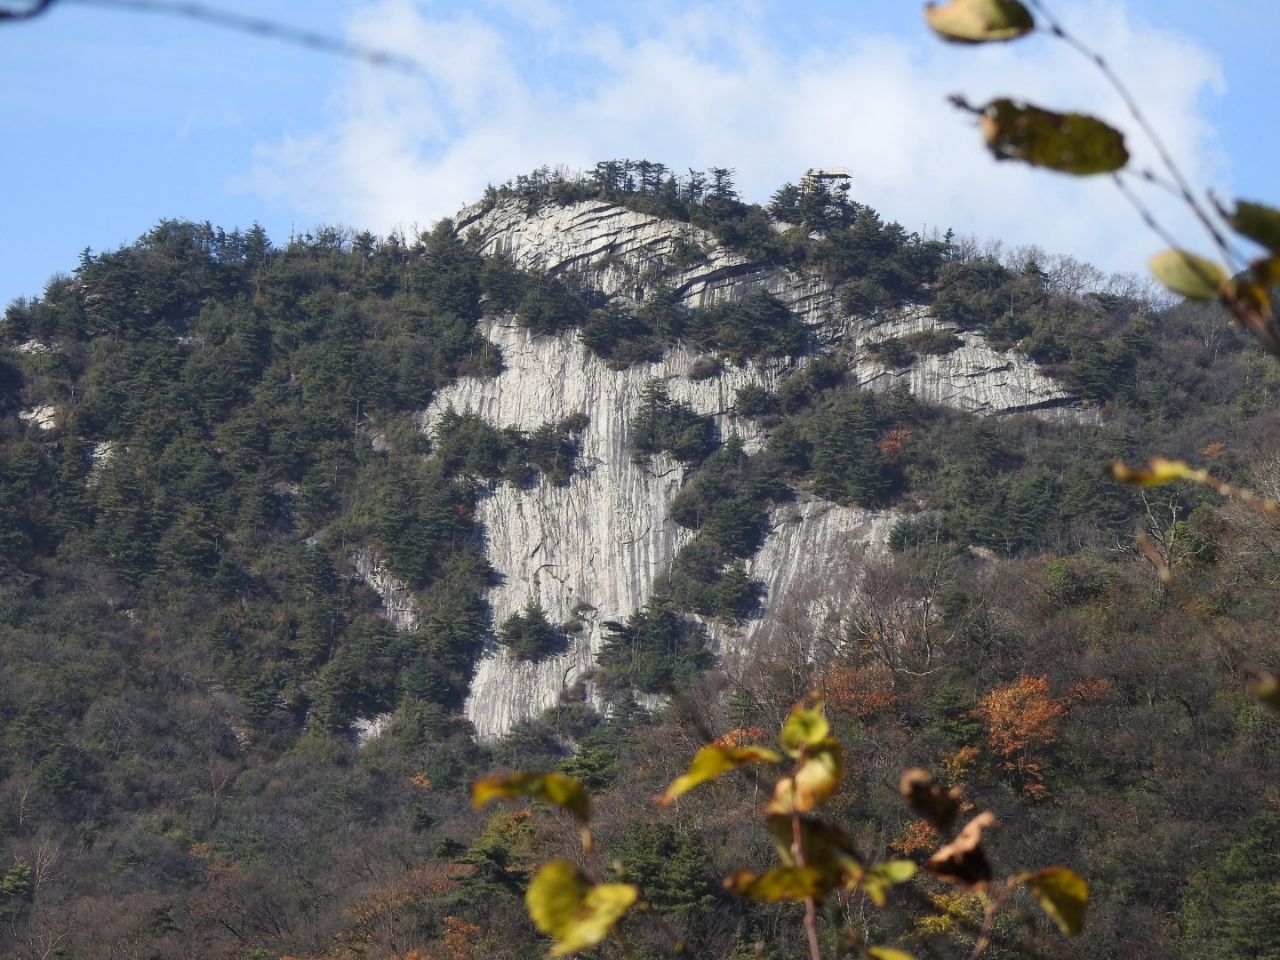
(198, 431)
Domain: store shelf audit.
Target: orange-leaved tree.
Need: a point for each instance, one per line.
(1021, 719)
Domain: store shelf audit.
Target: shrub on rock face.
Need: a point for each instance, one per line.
(903, 351)
(654, 648)
(753, 400)
(937, 342)
(704, 368)
(700, 582)
(549, 306)
(574, 423)
(625, 336)
(620, 336)
(892, 352)
(529, 635)
(553, 451)
(801, 388)
(502, 283)
(757, 326)
(465, 444)
(663, 424)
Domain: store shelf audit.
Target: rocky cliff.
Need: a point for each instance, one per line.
(617, 251)
(589, 550)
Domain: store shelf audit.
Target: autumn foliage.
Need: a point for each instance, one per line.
(859, 690)
(916, 837)
(1021, 720)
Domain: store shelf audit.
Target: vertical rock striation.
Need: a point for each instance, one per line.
(398, 604)
(588, 550)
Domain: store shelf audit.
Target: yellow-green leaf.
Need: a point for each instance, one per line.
(894, 871)
(888, 953)
(1187, 274)
(780, 883)
(1156, 473)
(711, 761)
(1258, 222)
(564, 905)
(810, 786)
(805, 727)
(979, 21)
(554, 788)
(881, 876)
(823, 847)
(1067, 142)
(1063, 894)
(1267, 691)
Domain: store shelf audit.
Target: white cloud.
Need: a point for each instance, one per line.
(535, 86)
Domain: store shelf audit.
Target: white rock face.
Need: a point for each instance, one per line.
(100, 454)
(44, 417)
(364, 730)
(398, 604)
(588, 551)
(974, 377)
(813, 551)
(614, 249)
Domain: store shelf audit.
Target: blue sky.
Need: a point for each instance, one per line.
(115, 120)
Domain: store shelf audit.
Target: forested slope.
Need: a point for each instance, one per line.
(199, 431)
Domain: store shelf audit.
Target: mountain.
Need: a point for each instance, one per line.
(299, 540)
(598, 542)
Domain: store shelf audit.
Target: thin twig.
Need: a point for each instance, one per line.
(1144, 212)
(1242, 312)
(40, 7)
(1150, 176)
(258, 26)
(810, 906)
(989, 918)
(1131, 103)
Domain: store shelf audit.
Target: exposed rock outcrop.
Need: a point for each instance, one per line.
(620, 252)
(588, 551)
(813, 551)
(44, 417)
(398, 604)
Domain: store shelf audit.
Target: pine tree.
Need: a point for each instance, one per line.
(847, 462)
(529, 635)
